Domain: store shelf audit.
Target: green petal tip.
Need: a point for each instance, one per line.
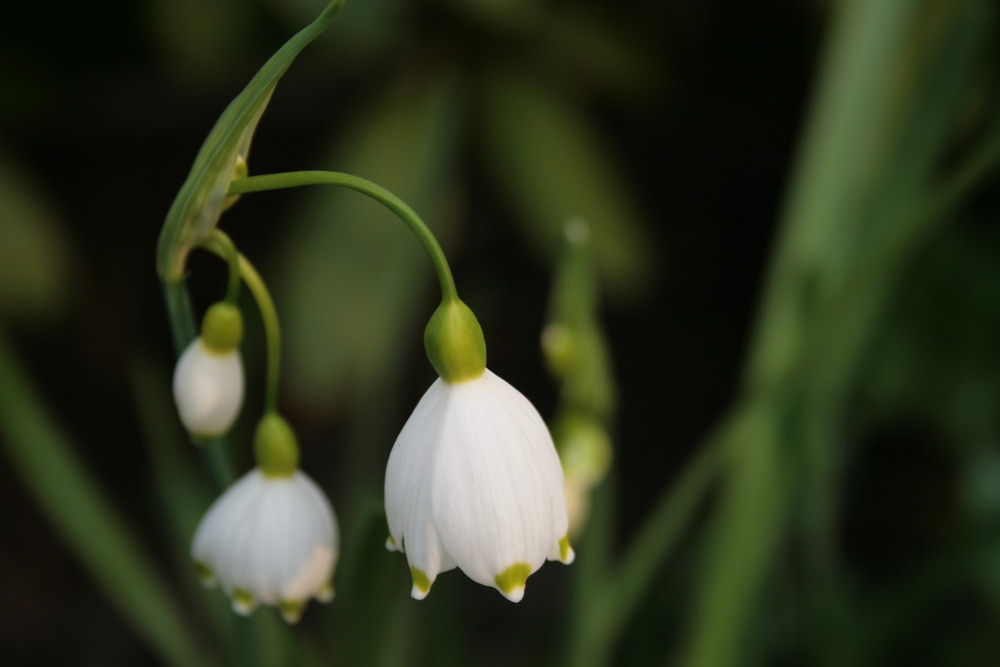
(243, 602)
(511, 581)
(566, 553)
(291, 610)
(205, 574)
(421, 583)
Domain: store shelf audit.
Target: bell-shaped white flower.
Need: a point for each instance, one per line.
(474, 481)
(271, 540)
(272, 536)
(208, 379)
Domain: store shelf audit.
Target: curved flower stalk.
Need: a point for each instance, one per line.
(272, 537)
(208, 378)
(473, 479)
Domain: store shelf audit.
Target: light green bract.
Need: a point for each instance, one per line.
(454, 342)
(197, 207)
(222, 328)
(276, 447)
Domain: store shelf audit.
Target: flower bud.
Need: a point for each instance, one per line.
(208, 379)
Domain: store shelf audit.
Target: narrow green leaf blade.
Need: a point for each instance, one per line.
(198, 205)
(86, 519)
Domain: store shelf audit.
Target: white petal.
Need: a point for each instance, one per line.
(312, 552)
(409, 461)
(497, 480)
(215, 531)
(543, 451)
(407, 492)
(208, 389)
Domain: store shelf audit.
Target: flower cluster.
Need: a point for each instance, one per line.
(473, 481)
(272, 537)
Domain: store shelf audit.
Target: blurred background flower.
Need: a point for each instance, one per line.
(793, 214)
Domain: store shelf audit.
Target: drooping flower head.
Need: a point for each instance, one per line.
(272, 537)
(208, 378)
(473, 479)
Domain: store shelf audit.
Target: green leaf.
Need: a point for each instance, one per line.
(86, 519)
(197, 207)
(894, 88)
(354, 280)
(554, 167)
(861, 204)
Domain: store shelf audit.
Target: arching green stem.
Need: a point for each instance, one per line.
(268, 313)
(378, 193)
(232, 257)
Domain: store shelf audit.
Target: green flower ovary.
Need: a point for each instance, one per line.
(454, 342)
(276, 447)
(222, 328)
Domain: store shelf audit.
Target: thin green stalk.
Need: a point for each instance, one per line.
(182, 324)
(268, 313)
(378, 193)
(232, 257)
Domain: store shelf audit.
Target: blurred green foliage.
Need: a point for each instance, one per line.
(836, 502)
(35, 259)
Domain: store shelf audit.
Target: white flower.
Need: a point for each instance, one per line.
(208, 389)
(474, 481)
(270, 540)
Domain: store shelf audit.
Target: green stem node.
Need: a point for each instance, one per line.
(232, 257)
